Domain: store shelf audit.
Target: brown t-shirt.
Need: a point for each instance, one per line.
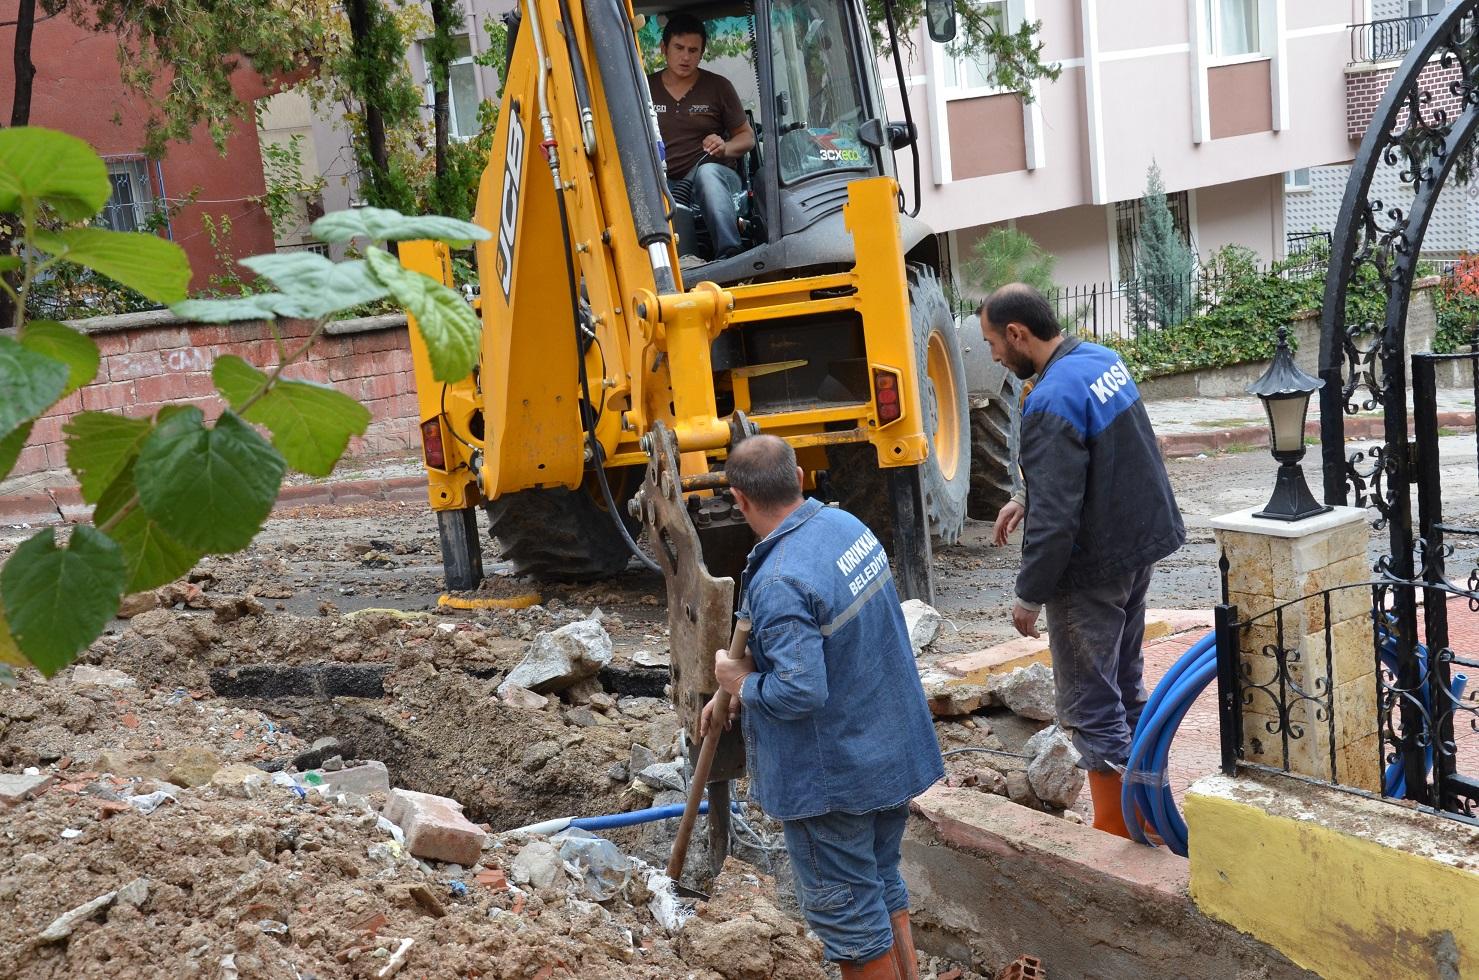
(711, 106)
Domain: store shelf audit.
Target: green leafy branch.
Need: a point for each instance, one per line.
(168, 489)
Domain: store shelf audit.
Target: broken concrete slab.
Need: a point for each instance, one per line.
(435, 828)
(85, 674)
(16, 787)
(974, 668)
(1054, 772)
(192, 765)
(923, 621)
(364, 779)
(558, 658)
(949, 700)
(1027, 691)
(61, 927)
(329, 680)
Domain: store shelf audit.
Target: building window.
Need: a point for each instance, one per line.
(462, 89)
(1128, 216)
(1233, 28)
(1422, 8)
(1297, 181)
(970, 73)
(132, 199)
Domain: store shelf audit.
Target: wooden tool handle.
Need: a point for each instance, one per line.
(705, 760)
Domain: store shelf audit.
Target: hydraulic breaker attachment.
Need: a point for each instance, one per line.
(701, 542)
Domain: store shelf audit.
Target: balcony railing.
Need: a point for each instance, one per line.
(1387, 40)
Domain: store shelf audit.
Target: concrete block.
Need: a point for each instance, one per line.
(15, 787)
(435, 827)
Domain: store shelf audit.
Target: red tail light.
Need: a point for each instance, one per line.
(431, 444)
(886, 396)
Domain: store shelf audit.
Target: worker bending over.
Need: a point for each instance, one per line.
(695, 109)
(1100, 514)
(837, 731)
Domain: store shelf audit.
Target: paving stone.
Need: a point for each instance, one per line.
(974, 668)
(15, 787)
(435, 827)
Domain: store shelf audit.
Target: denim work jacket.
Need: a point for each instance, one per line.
(834, 716)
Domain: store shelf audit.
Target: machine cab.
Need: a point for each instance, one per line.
(805, 74)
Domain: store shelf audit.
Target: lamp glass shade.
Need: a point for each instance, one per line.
(1286, 421)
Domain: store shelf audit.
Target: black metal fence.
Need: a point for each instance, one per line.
(1298, 243)
(1387, 40)
(1126, 309)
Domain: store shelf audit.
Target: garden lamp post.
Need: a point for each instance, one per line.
(1285, 391)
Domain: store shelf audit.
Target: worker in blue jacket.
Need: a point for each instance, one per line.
(1099, 514)
(837, 731)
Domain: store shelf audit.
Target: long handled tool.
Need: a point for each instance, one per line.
(705, 761)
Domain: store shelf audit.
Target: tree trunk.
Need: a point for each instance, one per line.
(445, 17)
(360, 23)
(25, 69)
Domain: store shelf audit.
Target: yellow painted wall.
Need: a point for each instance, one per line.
(1338, 904)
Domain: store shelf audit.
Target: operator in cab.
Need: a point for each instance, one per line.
(704, 128)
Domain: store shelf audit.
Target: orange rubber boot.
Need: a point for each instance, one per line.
(885, 967)
(1105, 789)
(904, 953)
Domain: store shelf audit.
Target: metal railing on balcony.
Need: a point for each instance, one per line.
(1387, 40)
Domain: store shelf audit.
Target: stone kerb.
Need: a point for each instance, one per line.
(1328, 684)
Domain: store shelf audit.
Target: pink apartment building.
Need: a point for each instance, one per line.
(1226, 96)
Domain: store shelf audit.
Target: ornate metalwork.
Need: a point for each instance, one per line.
(1422, 134)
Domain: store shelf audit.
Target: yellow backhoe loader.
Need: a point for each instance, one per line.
(618, 365)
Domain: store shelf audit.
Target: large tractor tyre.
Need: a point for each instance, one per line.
(564, 535)
(855, 477)
(994, 425)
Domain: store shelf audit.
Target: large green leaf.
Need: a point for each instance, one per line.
(43, 165)
(58, 600)
(101, 445)
(11, 446)
(256, 306)
(446, 321)
(60, 342)
(385, 225)
(151, 557)
(30, 383)
(209, 489)
(314, 286)
(310, 423)
(147, 264)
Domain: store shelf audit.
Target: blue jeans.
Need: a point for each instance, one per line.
(714, 186)
(847, 879)
(1095, 633)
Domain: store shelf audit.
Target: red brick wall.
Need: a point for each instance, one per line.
(1364, 91)
(149, 359)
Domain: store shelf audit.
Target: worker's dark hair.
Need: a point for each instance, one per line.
(685, 23)
(763, 468)
(1020, 303)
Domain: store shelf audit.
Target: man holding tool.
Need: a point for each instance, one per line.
(837, 731)
(695, 109)
(1100, 513)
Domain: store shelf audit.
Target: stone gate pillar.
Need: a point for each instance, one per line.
(1328, 662)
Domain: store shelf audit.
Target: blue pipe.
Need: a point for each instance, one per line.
(613, 820)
